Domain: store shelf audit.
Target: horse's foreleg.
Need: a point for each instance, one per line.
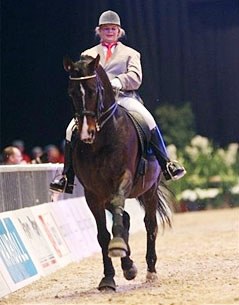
(118, 246)
(127, 265)
(107, 281)
(103, 237)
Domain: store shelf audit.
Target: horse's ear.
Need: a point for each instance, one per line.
(68, 64)
(97, 61)
(94, 64)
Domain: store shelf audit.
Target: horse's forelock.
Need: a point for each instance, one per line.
(85, 60)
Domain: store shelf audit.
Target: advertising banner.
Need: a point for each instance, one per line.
(4, 289)
(49, 229)
(69, 229)
(33, 237)
(14, 255)
(86, 224)
(136, 213)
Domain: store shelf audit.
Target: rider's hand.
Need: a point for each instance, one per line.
(116, 83)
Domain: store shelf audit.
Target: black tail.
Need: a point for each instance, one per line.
(165, 200)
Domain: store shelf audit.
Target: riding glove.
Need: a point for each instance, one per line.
(116, 83)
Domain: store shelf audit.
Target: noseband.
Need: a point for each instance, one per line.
(101, 116)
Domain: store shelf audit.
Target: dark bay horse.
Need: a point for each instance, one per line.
(105, 158)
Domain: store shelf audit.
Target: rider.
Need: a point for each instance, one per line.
(123, 67)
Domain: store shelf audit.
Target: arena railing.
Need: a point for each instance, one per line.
(28, 185)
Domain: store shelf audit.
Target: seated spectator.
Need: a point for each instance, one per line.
(39, 156)
(20, 145)
(36, 152)
(62, 149)
(53, 154)
(12, 155)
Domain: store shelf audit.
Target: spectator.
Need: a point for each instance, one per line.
(36, 152)
(12, 155)
(20, 145)
(62, 149)
(38, 155)
(53, 153)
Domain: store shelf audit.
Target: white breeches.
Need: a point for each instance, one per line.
(134, 105)
(129, 103)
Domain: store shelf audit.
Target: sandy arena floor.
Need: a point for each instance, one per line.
(198, 263)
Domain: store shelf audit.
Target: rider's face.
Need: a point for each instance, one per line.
(109, 33)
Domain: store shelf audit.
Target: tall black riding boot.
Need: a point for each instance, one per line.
(66, 183)
(171, 169)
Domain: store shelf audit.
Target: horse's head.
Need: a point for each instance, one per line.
(92, 95)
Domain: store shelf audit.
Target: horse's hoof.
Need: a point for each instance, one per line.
(151, 277)
(131, 273)
(117, 247)
(107, 284)
(116, 252)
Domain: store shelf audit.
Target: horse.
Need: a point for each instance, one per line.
(105, 157)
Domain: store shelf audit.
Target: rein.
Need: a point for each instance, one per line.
(100, 120)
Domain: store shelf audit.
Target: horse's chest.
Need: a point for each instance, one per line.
(97, 172)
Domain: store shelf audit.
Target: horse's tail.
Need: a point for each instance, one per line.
(165, 199)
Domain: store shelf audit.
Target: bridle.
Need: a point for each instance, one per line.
(101, 117)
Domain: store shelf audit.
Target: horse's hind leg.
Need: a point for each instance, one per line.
(150, 202)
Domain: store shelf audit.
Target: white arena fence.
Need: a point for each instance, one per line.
(38, 236)
(27, 185)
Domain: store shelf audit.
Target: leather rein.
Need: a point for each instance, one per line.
(100, 116)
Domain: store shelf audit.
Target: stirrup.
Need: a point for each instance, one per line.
(68, 187)
(61, 188)
(181, 170)
(66, 183)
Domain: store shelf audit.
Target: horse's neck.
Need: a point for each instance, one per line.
(109, 97)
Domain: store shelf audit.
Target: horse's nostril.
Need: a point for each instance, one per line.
(92, 133)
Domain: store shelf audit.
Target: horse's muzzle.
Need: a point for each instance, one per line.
(88, 131)
(88, 141)
(88, 138)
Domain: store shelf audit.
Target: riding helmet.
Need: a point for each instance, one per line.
(109, 17)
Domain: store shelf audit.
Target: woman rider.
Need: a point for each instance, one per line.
(123, 67)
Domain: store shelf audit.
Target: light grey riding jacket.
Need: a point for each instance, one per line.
(124, 64)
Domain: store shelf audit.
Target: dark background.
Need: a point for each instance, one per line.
(190, 53)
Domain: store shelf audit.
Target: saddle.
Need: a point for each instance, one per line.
(144, 135)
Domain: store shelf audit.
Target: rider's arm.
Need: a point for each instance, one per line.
(132, 78)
